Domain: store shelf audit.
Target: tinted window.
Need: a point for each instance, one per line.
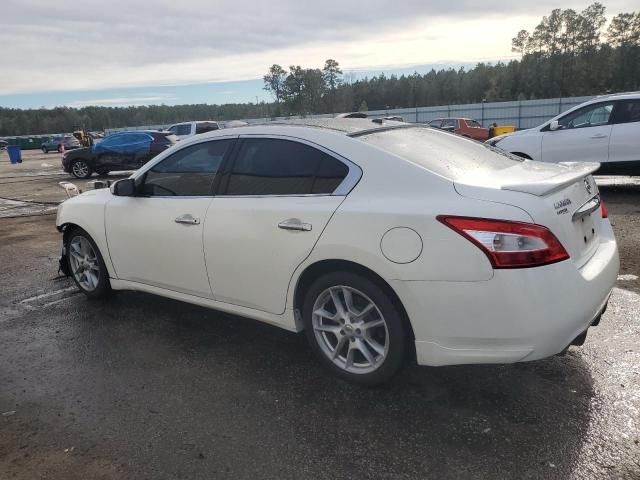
(203, 127)
(282, 167)
(435, 123)
(628, 112)
(188, 172)
(589, 116)
(450, 122)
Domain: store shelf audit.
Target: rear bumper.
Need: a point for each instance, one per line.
(517, 315)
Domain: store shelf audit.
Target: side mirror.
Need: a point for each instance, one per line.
(554, 125)
(124, 188)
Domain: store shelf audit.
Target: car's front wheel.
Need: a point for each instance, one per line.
(354, 327)
(86, 265)
(80, 169)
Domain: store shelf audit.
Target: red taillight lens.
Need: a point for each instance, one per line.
(603, 209)
(509, 244)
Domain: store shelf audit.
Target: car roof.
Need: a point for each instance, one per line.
(619, 96)
(348, 126)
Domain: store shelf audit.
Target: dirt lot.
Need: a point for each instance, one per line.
(144, 387)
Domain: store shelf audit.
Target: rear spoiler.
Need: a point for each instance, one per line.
(549, 185)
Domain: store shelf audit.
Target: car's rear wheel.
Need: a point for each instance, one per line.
(80, 169)
(354, 328)
(45, 149)
(59, 148)
(86, 265)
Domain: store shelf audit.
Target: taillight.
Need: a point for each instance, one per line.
(603, 209)
(509, 244)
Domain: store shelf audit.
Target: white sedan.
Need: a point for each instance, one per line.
(378, 240)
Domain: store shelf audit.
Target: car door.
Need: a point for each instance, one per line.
(583, 135)
(155, 237)
(273, 205)
(624, 147)
(106, 152)
(135, 151)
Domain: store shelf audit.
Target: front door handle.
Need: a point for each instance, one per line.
(599, 135)
(187, 219)
(295, 224)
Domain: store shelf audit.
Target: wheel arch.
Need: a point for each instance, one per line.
(321, 267)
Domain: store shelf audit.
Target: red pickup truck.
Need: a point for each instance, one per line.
(462, 126)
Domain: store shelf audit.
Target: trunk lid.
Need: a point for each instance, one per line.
(561, 197)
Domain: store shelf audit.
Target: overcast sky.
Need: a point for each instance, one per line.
(108, 47)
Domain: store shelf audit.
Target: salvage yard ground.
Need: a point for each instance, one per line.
(144, 387)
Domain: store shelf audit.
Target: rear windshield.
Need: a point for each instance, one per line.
(442, 153)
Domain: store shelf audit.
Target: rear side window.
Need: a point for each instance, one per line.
(189, 172)
(628, 112)
(281, 167)
(447, 155)
(473, 123)
(204, 127)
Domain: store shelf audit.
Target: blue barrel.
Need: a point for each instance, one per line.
(15, 155)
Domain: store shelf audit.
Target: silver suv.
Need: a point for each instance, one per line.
(56, 143)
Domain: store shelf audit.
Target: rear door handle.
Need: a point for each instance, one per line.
(599, 135)
(295, 224)
(187, 219)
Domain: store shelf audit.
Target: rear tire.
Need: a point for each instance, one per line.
(80, 169)
(45, 150)
(362, 339)
(59, 148)
(86, 265)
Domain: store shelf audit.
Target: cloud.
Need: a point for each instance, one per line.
(52, 46)
(122, 101)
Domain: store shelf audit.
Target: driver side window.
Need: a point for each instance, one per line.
(189, 172)
(590, 116)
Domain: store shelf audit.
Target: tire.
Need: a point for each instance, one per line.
(385, 338)
(45, 150)
(80, 169)
(86, 265)
(59, 148)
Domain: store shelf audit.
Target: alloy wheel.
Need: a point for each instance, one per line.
(80, 169)
(350, 329)
(84, 263)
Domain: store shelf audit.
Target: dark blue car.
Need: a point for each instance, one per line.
(118, 151)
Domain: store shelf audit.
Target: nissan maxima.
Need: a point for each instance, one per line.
(380, 241)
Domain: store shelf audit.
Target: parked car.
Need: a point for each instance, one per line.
(186, 129)
(376, 240)
(56, 144)
(119, 151)
(605, 129)
(462, 126)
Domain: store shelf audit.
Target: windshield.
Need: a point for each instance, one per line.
(442, 153)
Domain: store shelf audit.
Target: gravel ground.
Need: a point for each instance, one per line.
(145, 387)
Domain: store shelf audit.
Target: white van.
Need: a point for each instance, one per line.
(187, 129)
(605, 129)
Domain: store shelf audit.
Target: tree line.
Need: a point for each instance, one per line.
(568, 53)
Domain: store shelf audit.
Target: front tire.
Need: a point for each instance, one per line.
(80, 169)
(86, 265)
(354, 328)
